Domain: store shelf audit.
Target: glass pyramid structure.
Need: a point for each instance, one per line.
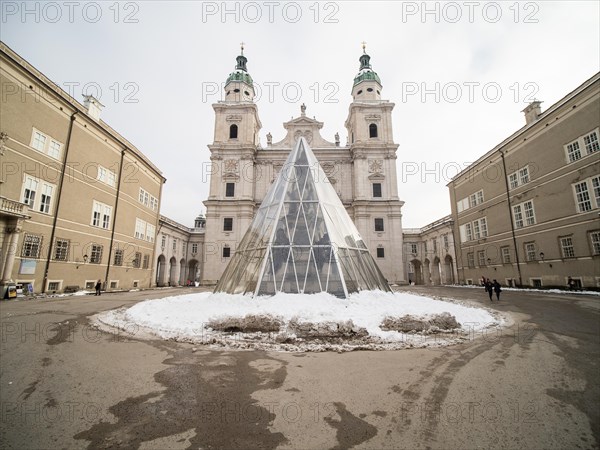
(301, 239)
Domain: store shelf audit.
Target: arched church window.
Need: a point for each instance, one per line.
(373, 130)
(233, 130)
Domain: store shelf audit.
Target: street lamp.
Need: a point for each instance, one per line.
(85, 259)
(542, 256)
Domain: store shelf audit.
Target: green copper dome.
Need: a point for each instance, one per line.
(241, 72)
(366, 73)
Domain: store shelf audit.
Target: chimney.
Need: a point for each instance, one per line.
(532, 112)
(93, 106)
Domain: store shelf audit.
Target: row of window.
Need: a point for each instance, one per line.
(474, 230)
(144, 230)
(230, 190)
(470, 201)
(164, 244)
(32, 246)
(582, 146)
(566, 247)
(148, 200)
(414, 245)
(585, 201)
(226, 252)
(46, 144)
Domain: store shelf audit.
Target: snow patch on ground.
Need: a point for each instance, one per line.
(539, 291)
(318, 322)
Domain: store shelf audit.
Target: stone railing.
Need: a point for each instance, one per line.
(13, 207)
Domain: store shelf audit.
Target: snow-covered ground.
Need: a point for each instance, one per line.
(293, 322)
(541, 291)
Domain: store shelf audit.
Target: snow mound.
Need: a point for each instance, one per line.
(294, 322)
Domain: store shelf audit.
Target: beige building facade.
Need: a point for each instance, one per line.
(429, 254)
(527, 212)
(79, 203)
(180, 252)
(362, 172)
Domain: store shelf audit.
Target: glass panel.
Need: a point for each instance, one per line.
(267, 283)
(300, 233)
(290, 282)
(312, 283)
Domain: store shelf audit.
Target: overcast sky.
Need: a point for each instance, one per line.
(459, 74)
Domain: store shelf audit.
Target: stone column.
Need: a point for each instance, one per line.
(11, 252)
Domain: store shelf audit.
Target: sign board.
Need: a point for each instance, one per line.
(27, 267)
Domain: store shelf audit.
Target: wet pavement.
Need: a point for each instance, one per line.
(65, 384)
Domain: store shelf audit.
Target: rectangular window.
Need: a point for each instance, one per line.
(530, 251)
(596, 188)
(146, 262)
(150, 232)
(229, 189)
(377, 190)
(226, 252)
(107, 176)
(137, 261)
(446, 245)
(524, 175)
(471, 260)
(469, 231)
(46, 198)
(481, 258)
(566, 246)
(118, 261)
(573, 151)
(96, 254)
(518, 214)
(462, 204)
(163, 242)
(435, 246)
(228, 224)
(529, 213)
(148, 200)
(591, 142)
(54, 149)
(194, 248)
(29, 191)
(140, 229)
(595, 240)
(476, 231)
(505, 255)
(483, 227)
(513, 180)
(425, 246)
(378, 224)
(174, 245)
(61, 249)
(53, 286)
(101, 215)
(380, 252)
(583, 197)
(536, 282)
(32, 245)
(39, 141)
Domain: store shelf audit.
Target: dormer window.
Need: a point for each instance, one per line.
(373, 130)
(247, 94)
(359, 92)
(233, 131)
(236, 90)
(369, 89)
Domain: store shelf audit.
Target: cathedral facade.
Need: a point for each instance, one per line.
(362, 172)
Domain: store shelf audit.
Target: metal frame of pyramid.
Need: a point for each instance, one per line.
(302, 240)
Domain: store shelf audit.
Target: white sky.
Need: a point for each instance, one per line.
(174, 54)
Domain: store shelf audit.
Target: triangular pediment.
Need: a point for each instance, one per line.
(302, 239)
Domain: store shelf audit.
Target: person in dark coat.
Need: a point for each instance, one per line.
(489, 288)
(98, 287)
(497, 289)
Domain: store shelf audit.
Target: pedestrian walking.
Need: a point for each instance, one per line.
(489, 288)
(98, 287)
(497, 289)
